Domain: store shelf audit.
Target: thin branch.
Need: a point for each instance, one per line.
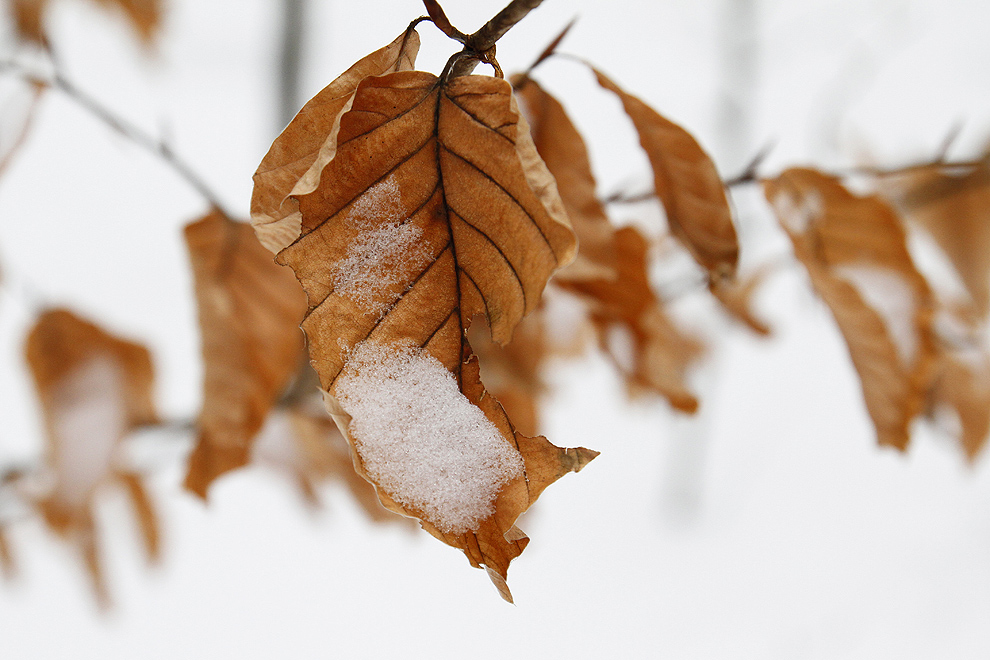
(620, 197)
(492, 31)
(550, 49)
(124, 128)
(482, 42)
(874, 172)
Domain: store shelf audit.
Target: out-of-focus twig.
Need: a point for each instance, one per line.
(131, 132)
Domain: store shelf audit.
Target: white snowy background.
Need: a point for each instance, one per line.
(770, 527)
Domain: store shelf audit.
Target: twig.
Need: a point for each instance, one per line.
(620, 197)
(482, 43)
(125, 129)
(750, 172)
(880, 172)
(485, 38)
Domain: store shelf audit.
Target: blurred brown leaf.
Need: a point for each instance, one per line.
(293, 164)
(854, 249)
(144, 16)
(435, 208)
(959, 396)
(319, 452)
(249, 314)
(94, 388)
(634, 330)
(688, 185)
(8, 565)
(513, 373)
(953, 205)
(736, 297)
(144, 510)
(566, 156)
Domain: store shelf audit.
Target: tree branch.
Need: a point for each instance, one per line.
(124, 128)
(484, 39)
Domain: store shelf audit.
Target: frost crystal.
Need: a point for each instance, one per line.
(420, 438)
(386, 248)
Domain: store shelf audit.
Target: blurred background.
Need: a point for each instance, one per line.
(770, 525)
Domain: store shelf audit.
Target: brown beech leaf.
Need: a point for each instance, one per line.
(953, 205)
(854, 249)
(736, 297)
(293, 164)
(566, 156)
(249, 314)
(321, 453)
(144, 510)
(8, 565)
(959, 397)
(28, 17)
(649, 350)
(93, 388)
(687, 184)
(145, 16)
(513, 373)
(434, 209)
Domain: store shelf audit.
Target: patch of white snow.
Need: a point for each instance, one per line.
(420, 438)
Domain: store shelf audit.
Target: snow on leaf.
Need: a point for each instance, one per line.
(297, 157)
(93, 388)
(465, 183)
(688, 185)
(855, 252)
(421, 440)
(249, 314)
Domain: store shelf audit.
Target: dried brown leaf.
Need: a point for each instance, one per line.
(323, 453)
(297, 157)
(513, 373)
(954, 207)
(8, 564)
(249, 314)
(144, 510)
(435, 208)
(688, 185)
(959, 398)
(566, 156)
(633, 328)
(736, 297)
(144, 16)
(28, 17)
(93, 388)
(855, 251)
